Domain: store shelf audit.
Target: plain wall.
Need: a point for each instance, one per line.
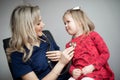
(6, 7)
(104, 14)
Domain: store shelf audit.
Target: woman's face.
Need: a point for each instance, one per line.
(39, 27)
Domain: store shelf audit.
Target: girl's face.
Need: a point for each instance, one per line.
(39, 27)
(70, 26)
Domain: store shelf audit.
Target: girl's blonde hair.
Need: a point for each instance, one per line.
(23, 20)
(80, 18)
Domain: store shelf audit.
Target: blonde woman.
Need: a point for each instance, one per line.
(28, 47)
(90, 61)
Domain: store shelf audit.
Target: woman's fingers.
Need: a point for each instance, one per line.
(67, 55)
(71, 55)
(69, 51)
(53, 55)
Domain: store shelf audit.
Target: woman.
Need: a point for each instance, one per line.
(28, 47)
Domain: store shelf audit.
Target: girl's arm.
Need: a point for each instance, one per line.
(102, 49)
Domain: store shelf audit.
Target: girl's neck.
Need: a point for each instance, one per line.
(79, 33)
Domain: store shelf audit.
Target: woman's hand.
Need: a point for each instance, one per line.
(54, 55)
(66, 55)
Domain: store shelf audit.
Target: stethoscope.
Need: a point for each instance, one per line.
(48, 49)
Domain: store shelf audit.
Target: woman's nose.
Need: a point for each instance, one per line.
(43, 24)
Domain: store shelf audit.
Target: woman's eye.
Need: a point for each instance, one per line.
(38, 24)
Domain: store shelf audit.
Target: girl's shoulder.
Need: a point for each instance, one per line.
(94, 34)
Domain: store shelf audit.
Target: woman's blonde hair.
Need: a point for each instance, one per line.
(80, 18)
(23, 20)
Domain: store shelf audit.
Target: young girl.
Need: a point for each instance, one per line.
(90, 61)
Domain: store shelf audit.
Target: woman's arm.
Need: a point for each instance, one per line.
(51, 76)
(66, 56)
(30, 76)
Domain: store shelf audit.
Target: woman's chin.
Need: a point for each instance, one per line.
(40, 34)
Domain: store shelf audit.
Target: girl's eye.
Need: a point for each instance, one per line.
(64, 23)
(68, 21)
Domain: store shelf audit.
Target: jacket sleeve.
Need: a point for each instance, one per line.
(102, 49)
(71, 69)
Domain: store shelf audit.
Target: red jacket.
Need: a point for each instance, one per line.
(91, 49)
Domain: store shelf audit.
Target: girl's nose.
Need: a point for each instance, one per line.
(66, 25)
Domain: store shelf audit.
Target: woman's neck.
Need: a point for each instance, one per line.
(37, 43)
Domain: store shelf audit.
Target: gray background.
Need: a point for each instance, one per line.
(104, 14)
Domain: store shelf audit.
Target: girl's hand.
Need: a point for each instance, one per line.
(88, 69)
(76, 73)
(54, 55)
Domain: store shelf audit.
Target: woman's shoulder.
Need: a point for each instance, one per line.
(16, 56)
(16, 53)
